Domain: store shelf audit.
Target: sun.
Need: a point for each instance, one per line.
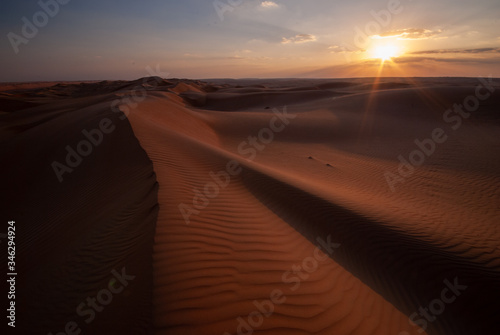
(385, 52)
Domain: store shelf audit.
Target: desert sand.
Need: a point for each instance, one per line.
(257, 206)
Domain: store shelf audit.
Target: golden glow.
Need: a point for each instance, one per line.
(385, 51)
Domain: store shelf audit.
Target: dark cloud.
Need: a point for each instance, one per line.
(457, 51)
(407, 60)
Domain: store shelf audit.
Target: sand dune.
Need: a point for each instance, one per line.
(275, 212)
(72, 234)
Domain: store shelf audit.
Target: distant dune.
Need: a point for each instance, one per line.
(256, 206)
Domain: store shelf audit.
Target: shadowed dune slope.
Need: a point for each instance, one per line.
(324, 176)
(71, 235)
(236, 252)
(276, 214)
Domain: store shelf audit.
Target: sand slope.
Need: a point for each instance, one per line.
(305, 237)
(72, 234)
(323, 176)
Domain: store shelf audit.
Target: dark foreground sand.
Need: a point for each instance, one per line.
(254, 206)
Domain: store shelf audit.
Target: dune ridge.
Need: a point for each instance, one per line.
(434, 257)
(72, 235)
(320, 178)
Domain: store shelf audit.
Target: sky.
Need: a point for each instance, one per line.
(49, 40)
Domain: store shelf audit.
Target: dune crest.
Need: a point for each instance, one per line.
(323, 176)
(259, 206)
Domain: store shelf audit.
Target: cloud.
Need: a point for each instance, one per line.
(342, 49)
(409, 34)
(437, 60)
(269, 4)
(457, 51)
(300, 38)
(336, 49)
